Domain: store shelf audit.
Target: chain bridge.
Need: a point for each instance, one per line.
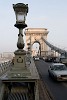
(19, 77)
(56, 49)
(39, 35)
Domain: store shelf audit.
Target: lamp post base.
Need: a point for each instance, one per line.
(19, 70)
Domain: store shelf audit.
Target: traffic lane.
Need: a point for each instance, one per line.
(57, 89)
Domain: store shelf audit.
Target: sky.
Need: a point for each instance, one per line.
(50, 14)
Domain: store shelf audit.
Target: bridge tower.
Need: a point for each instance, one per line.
(34, 35)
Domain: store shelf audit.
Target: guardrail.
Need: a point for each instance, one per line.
(4, 66)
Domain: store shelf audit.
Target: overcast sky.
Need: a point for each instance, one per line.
(50, 14)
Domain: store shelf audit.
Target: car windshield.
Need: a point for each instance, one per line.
(59, 67)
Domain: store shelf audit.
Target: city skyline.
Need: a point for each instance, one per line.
(42, 14)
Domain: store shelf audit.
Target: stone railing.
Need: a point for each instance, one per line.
(4, 66)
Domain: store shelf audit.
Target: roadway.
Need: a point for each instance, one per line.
(57, 90)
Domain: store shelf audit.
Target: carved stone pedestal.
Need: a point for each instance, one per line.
(19, 70)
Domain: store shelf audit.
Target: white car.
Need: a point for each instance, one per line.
(36, 58)
(58, 71)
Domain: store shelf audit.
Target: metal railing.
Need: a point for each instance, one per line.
(4, 66)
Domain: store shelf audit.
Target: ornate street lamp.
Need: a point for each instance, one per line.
(22, 74)
(21, 11)
(20, 67)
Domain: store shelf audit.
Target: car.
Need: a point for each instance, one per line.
(58, 71)
(36, 58)
(48, 59)
(64, 60)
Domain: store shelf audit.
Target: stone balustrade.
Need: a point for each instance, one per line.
(4, 66)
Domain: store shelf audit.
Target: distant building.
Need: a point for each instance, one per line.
(7, 55)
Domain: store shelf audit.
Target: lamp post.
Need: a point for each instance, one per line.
(21, 11)
(20, 68)
(21, 78)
